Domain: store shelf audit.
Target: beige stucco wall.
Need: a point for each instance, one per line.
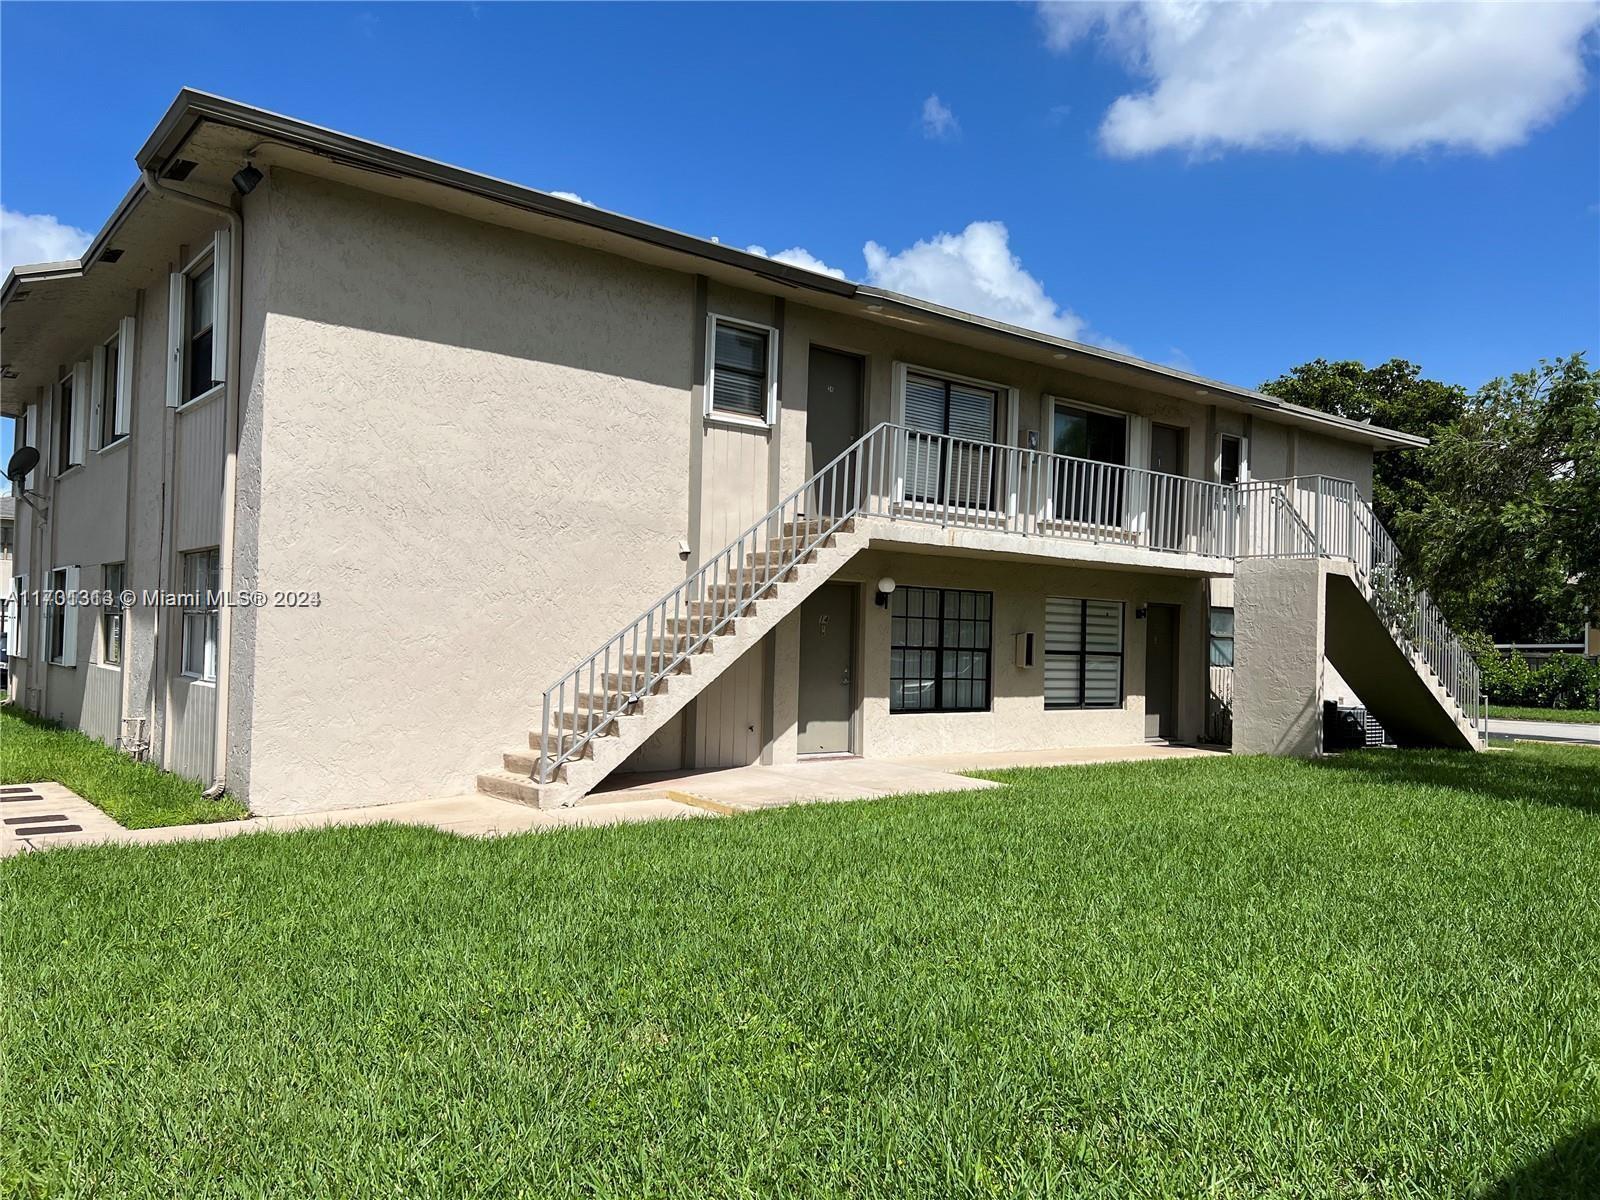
(1280, 615)
(1017, 717)
(475, 450)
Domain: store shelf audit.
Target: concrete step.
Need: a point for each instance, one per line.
(512, 785)
(692, 626)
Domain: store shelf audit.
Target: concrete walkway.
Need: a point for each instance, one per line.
(1545, 731)
(40, 815)
(468, 816)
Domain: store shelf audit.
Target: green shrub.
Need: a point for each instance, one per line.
(1560, 681)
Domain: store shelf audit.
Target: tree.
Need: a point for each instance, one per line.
(1510, 529)
(1499, 517)
(1396, 396)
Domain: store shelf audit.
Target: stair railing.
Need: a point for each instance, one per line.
(630, 664)
(1343, 525)
(902, 474)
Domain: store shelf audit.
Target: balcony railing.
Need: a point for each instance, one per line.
(962, 484)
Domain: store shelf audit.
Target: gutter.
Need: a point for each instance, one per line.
(230, 468)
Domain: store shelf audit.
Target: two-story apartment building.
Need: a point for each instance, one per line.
(505, 489)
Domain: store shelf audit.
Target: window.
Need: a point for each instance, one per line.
(939, 650)
(744, 371)
(1222, 637)
(201, 580)
(200, 319)
(1082, 653)
(1084, 493)
(112, 583)
(947, 415)
(1230, 460)
(58, 649)
(7, 536)
(111, 401)
(64, 399)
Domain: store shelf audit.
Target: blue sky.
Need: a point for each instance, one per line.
(1233, 195)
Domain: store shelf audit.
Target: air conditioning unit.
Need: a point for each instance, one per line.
(1025, 650)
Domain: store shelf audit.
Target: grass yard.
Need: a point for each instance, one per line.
(138, 795)
(1374, 976)
(1581, 716)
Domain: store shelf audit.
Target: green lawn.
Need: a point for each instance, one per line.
(1374, 976)
(136, 794)
(1583, 716)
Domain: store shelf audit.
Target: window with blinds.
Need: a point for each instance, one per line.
(741, 370)
(939, 650)
(952, 471)
(1082, 653)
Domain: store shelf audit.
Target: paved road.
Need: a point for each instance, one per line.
(1545, 731)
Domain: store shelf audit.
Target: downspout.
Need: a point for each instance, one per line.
(230, 460)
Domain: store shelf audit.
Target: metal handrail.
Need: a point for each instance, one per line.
(1345, 526)
(905, 474)
(902, 474)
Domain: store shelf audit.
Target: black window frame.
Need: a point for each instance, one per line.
(198, 339)
(107, 432)
(113, 580)
(1083, 654)
(899, 603)
(55, 643)
(66, 397)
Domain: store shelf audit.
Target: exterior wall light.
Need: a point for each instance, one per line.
(885, 589)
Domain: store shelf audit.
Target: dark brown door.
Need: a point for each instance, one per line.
(1160, 670)
(833, 422)
(827, 698)
(1168, 515)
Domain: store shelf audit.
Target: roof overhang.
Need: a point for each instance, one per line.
(196, 118)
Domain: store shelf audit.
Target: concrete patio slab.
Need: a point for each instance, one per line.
(472, 815)
(745, 789)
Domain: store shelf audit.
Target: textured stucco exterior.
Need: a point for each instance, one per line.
(1280, 613)
(472, 451)
(481, 473)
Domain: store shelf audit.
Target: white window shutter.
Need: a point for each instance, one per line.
(1244, 460)
(69, 622)
(98, 386)
(19, 639)
(82, 391)
(176, 287)
(221, 297)
(124, 380)
(12, 603)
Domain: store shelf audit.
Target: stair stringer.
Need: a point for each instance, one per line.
(578, 777)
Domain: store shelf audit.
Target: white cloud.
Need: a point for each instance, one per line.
(797, 256)
(976, 272)
(575, 198)
(938, 122)
(973, 271)
(37, 238)
(1386, 77)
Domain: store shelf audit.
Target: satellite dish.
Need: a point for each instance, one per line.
(24, 460)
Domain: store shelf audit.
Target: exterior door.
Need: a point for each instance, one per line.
(1168, 506)
(950, 458)
(827, 693)
(1086, 488)
(1160, 670)
(833, 422)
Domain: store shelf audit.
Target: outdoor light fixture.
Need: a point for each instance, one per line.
(1140, 614)
(246, 178)
(885, 587)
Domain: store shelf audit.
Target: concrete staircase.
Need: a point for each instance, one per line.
(1396, 683)
(774, 582)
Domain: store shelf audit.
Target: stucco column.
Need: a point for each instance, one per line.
(1280, 617)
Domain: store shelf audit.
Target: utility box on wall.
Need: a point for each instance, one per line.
(1025, 650)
